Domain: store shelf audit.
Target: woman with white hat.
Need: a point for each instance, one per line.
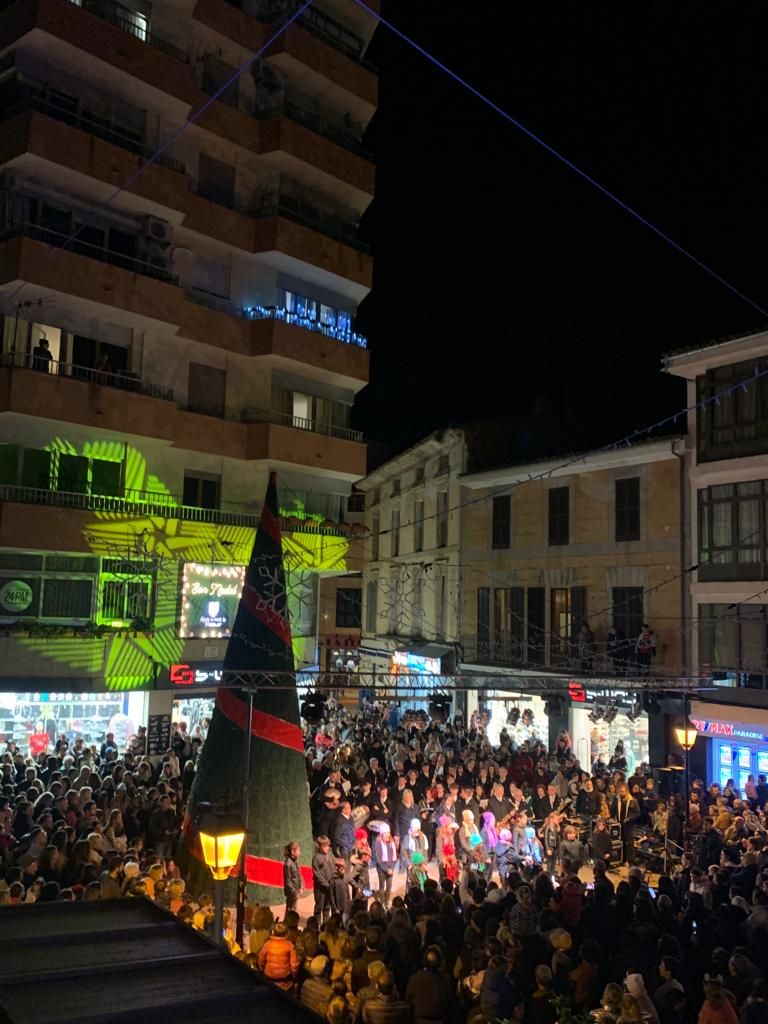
(384, 860)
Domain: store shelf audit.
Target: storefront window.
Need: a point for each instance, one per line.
(193, 710)
(593, 740)
(35, 721)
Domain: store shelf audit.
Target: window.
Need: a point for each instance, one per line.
(418, 526)
(559, 515)
(417, 607)
(371, 592)
(628, 614)
(9, 463)
(201, 491)
(72, 473)
(501, 527)
(206, 389)
(211, 277)
(442, 519)
(535, 649)
(216, 180)
(441, 611)
(443, 464)
(732, 531)
(483, 622)
(395, 487)
(36, 468)
(394, 604)
(333, 321)
(215, 74)
(67, 599)
(627, 500)
(376, 496)
(375, 533)
(419, 478)
(395, 533)
(737, 423)
(106, 478)
(732, 643)
(559, 625)
(508, 624)
(125, 599)
(348, 607)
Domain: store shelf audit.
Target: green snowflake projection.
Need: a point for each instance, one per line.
(144, 527)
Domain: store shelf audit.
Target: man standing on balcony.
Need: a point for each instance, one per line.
(41, 356)
(645, 649)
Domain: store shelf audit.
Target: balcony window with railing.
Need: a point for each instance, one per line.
(733, 640)
(312, 210)
(283, 100)
(306, 412)
(312, 316)
(312, 19)
(133, 22)
(101, 374)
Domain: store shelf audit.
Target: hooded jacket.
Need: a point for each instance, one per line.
(636, 987)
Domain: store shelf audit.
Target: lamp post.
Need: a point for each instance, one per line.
(221, 837)
(685, 735)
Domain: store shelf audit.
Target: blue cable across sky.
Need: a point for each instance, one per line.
(564, 159)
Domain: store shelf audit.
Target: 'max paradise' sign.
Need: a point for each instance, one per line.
(734, 730)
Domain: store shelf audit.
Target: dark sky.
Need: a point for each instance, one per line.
(503, 284)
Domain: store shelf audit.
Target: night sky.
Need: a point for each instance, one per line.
(504, 286)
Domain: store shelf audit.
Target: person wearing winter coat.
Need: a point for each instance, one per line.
(550, 840)
(506, 858)
(323, 873)
(571, 848)
(635, 985)
(601, 842)
(278, 959)
(384, 855)
(291, 876)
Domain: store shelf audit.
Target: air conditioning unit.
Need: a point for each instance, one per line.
(158, 232)
(154, 257)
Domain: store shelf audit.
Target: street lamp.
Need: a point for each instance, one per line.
(685, 735)
(221, 837)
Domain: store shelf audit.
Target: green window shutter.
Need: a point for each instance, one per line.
(9, 463)
(36, 468)
(73, 474)
(106, 478)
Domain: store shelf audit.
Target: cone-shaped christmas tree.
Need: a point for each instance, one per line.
(278, 808)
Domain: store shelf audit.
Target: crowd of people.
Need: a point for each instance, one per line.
(454, 880)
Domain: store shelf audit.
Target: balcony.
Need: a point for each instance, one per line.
(300, 423)
(136, 26)
(304, 211)
(512, 654)
(68, 110)
(122, 381)
(306, 323)
(304, 110)
(145, 504)
(93, 252)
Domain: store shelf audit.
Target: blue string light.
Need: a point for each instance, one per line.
(345, 334)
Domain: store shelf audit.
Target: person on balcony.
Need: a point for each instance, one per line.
(645, 649)
(41, 356)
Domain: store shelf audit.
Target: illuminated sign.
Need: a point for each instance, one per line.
(713, 727)
(190, 675)
(209, 599)
(404, 661)
(19, 597)
(576, 692)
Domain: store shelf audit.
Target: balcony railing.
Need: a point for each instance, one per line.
(122, 381)
(599, 661)
(137, 28)
(308, 323)
(307, 112)
(300, 423)
(143, 503)
(69, 113)
(306, 213)
(94, 252)
(313, 20)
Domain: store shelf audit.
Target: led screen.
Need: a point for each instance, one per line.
(210, 595)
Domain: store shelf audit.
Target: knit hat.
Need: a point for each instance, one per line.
(417, 858)
(360, 834)
(444, 820)
(317, 966)
(415, 824)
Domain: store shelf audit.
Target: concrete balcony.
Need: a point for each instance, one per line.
(111, 281)
(300, 423)
(287, 343)
(294, 446)
(304, 49)
(278, 233)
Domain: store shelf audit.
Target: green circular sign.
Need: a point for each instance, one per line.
(16, 596)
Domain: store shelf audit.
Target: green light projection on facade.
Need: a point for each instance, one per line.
(129, 661)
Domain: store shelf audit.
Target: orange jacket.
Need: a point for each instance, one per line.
(279, 961)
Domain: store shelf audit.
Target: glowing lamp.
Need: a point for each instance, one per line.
(685, 736)
(221, 837)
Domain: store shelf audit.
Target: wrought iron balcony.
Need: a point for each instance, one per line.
(77, 245)
(306, 322)
(121, 381)
(314, 426)
(600, 660)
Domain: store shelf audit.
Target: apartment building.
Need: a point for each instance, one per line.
(411, 558)
(171, 334)
(727, 384)
(557, 553)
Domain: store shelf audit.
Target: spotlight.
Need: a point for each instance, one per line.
(312, 707)
(635, 711)
(651, 705)
(596, 714)
(610, 714)
(513, 716)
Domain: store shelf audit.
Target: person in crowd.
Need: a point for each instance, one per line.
(292, 886)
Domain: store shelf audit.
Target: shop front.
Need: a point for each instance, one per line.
(193, 687)
(524, 716)
(600, 719)
(737, 738)
(35, 720)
